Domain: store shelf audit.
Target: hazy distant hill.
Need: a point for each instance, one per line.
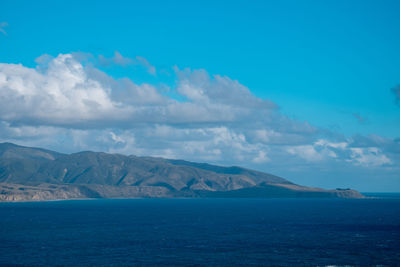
(38, 174)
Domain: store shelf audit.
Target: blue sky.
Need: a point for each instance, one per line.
(330, 65)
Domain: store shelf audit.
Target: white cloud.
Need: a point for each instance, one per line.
(346, 151)
(320, 150)
(62, 95)
(69, 106)
(369, 157)
(266, 135)
(307, 152)
(198, 86)
(64, 92)
(326, 143)
(261, 157)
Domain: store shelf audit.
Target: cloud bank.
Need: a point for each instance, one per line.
(67, 105)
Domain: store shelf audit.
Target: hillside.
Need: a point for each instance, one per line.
(38, 174)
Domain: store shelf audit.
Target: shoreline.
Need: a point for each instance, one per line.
(205, 198)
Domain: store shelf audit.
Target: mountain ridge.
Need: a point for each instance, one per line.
(28, 173)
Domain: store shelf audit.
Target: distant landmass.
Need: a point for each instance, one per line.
(36, 174)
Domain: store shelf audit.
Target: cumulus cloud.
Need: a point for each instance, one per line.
(67, 93)
(62, 95)
(70, 106)
(2, 26)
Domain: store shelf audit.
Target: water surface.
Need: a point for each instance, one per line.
(207, 232)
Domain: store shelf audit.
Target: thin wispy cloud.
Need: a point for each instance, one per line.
(359, 118)
(2, 26)
(117, 59)
(120, 60)
(396, 91)
(144, 62)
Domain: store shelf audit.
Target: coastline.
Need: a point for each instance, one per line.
(188, 198)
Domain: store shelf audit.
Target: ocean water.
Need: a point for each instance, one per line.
(201, 232)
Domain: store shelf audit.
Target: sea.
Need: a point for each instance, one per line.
(202, 232)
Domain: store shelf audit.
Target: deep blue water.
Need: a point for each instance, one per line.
(205, 232)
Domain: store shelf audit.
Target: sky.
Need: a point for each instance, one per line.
(307, 90)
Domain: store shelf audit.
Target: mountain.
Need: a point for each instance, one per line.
(28, 173)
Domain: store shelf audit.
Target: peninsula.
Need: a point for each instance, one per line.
(35, 174)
